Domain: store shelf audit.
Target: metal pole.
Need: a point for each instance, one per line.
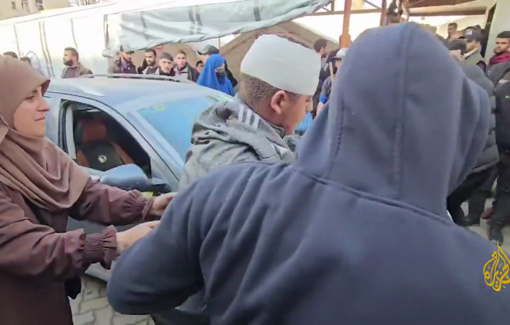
(344, 42)
(382, 22)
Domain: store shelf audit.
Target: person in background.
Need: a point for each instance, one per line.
(73, 67)
(40, 187)
(26, 59)
(457, 49)
(166, 65)
(199, 66)
(320, 48)
(182, 69)
(485, 166)
(501, 50)
(326, 87)
(452, 29)
(206, 53)
(214, 75)
(356, 230)
(276, 88)
(473, 54)
(124, 63)
(150, 65)
(500, 214)
(11, 54)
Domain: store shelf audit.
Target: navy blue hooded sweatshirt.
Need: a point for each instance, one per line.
(356, 231)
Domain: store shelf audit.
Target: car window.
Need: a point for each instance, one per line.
(174, 119)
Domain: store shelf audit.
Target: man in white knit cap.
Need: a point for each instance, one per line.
(278, 79)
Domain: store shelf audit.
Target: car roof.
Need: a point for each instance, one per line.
(115, 91)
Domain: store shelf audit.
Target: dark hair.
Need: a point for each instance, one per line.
(73, 51)
(166, 55)
(153, 51)
(199, 62)
(10, 53)
(26, 59)
(454, 25)
(255, 92)
(182, 52)
(504, 34)
(320, 44)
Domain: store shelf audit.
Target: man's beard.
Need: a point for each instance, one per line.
(68, 63)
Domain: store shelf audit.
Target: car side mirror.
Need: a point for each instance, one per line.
(127, 177)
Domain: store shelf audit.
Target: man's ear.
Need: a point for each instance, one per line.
(277, 101)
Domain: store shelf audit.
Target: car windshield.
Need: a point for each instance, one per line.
(174, 119)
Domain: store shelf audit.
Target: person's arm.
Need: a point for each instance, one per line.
(109, 205)
(161, 270)
(33, 250)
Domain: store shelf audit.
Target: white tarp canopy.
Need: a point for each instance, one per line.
(183, 21)
(97, 31)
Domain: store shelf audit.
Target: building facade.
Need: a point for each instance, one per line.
(15, 8)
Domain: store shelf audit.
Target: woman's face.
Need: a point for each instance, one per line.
(29, 118)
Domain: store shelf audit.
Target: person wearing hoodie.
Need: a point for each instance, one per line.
(472, 188)
(258, 125)
(356, 230)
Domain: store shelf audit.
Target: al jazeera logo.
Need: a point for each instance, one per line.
(496, 270)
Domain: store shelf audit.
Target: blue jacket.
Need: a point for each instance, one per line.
(356, 231)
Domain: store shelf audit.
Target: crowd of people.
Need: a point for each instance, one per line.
(210, 71)
(358, 221)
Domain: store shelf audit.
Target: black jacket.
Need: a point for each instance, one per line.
(489, 156)
(501, 77)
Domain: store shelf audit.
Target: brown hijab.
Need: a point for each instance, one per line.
(37, 168)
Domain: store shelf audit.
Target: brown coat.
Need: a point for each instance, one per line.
(35, 260)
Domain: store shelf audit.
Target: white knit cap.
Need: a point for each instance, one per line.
(283, 64)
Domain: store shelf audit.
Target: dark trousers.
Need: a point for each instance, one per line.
(480, 196)
(465, 190)
(502, 210)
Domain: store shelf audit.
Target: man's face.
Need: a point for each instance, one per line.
(200, 67)
(451, 29)
(150, 58)
(68, 58)
(291, 109)
(165, 65)
(471, 45)
(180, 60)
(127, 56)
(502, 45)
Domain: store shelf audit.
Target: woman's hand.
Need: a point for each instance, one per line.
(127, 238)
(160, 204)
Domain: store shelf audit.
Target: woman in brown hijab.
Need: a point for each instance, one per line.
(40, 186)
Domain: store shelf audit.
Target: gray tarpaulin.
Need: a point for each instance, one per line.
(193, 21)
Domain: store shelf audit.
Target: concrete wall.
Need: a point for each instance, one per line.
(13, 8)
(500, 22)
(7, 10)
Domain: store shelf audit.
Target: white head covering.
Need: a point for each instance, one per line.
(283, 64)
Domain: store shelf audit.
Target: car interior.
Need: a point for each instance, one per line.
(97, 141)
